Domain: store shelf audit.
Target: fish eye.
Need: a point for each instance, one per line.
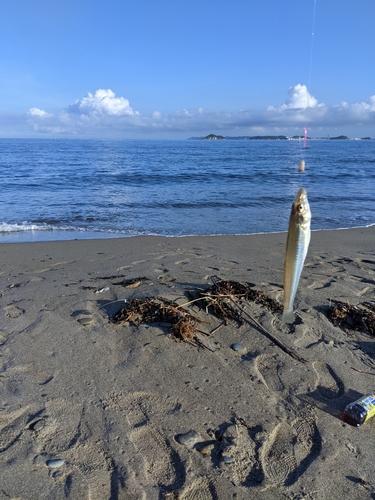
(299, 208)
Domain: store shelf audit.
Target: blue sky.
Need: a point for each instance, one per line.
(172, 69)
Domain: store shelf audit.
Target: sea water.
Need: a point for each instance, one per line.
(67, 189)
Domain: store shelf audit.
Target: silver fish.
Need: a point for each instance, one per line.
(297, 244)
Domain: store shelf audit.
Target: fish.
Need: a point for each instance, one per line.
(301, 167)
(297, 244)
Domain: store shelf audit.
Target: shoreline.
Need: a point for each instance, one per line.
(110, 404)
(23, 236)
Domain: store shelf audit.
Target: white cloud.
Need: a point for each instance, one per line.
(40, 113)
(103, 102)
(368, 105)
(43, 122)
(362, 109)
(102, 114)
(300, 98)
(184, 112)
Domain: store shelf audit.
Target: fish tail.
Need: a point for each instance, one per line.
(288, 317)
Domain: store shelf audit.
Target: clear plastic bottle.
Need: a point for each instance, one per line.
(359, 411)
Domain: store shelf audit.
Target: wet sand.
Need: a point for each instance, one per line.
(111, 401)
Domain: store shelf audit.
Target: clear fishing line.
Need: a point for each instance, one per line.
(305, 134)
(312, 44)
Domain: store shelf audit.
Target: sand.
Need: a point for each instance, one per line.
(111, 401)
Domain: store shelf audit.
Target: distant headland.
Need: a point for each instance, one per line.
(214, 137)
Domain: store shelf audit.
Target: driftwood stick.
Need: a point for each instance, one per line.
(273, 339)
(361, 371)
(217, 328)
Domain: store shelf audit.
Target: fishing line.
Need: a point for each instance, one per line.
(310, 67)
(312, 43)
(309, 80)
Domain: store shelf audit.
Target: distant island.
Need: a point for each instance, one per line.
(214, 137)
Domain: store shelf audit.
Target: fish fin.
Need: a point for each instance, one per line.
(288, 317)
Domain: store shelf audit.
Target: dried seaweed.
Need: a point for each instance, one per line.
(215, 299)
(158, 310)
(245, 291)
(370, 305)
(352, 317)
(220, 299)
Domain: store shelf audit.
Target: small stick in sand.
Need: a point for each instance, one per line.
(274, 339)
(361, 371)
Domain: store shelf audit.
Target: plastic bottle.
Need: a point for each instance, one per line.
(359, 411)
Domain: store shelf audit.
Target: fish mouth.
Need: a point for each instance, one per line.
(301, 196)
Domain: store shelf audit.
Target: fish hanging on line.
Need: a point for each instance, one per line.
(297, 244)
(301, 167)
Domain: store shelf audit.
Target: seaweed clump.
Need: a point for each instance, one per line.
(353, 317)
(220, 299)
(158, 310)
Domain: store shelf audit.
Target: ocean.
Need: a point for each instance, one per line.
(53, 189)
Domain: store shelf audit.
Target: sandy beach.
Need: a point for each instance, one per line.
(96, 409)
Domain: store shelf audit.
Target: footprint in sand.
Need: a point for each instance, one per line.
(269, 368)
(58, 431)
(182, 262)
(62, 432)
(140, 406)
(88, 313)
(200, 490)
(307, 437)
(278, 458)
(62, 423)
(238, 445)
(291, 449)
(96, 468)
(364, 264)
(13, 424)
(328, 384)
(84, 316)
(160, 460)
(13, 311)
(3, 337)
